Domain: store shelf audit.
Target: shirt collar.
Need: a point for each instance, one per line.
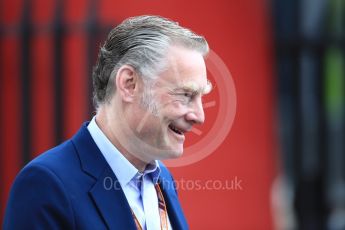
(121, 167)
(153, 170)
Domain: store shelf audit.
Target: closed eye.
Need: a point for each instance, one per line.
(188, 95)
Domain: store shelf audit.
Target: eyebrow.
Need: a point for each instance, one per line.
(195, 90)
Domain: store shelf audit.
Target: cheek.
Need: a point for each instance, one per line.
(177, 105)
(170, 107)
(174, 110)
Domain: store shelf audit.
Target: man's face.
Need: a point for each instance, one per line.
(175, 104)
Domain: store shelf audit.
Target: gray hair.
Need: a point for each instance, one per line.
(141, 42)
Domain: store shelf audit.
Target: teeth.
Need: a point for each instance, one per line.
(175, 129)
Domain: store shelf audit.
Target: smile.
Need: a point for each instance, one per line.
(176, 130)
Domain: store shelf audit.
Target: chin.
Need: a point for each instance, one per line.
(170, 153)
(176, 153)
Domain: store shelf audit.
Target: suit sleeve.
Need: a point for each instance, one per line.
(38, 200)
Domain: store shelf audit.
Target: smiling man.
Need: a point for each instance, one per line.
(148, 86)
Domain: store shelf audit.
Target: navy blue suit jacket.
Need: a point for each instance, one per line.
(72, 187)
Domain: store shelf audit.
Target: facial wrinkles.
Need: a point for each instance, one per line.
(149, 101)
(156, 97)
(155, 108)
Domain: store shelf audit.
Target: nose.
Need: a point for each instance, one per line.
(196, 113)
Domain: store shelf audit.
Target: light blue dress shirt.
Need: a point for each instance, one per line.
(138, 187)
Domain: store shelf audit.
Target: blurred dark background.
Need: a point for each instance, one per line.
(310, 67)
(287, 58)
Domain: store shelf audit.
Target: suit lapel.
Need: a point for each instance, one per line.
(106, 193)
(111, 202)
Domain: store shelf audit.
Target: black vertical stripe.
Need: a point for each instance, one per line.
(323, 136)
(92, 32)
(25, 66)
(2, 84)
(58, 34)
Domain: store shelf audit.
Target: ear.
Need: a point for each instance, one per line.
(127, 82)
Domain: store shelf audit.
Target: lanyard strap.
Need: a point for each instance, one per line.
(162, 208)
(163, 214)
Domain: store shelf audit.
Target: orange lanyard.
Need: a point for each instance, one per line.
(163, 214)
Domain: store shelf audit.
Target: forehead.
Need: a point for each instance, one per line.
(185, 69)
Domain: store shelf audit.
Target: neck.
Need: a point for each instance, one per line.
(105, 125)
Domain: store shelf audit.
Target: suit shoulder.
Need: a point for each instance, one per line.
(59, 158)
(41, 198)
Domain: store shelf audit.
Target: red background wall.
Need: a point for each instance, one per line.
(238, 31)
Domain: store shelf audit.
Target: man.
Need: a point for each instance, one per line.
(148, 84)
